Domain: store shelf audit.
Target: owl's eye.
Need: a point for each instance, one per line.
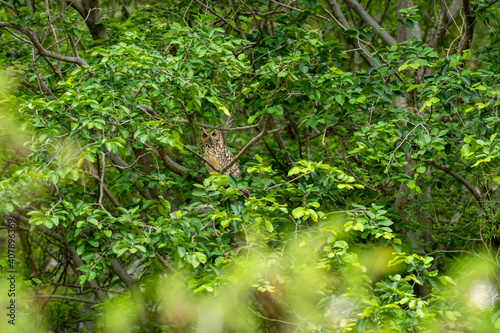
(214, 134)
(205, 135)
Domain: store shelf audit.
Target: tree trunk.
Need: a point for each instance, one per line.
(404, 33)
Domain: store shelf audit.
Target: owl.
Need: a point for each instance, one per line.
(214, 150)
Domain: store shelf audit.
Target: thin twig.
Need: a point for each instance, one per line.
(51, 27)
(349, 168)
(291, 180)
(219, 17)
(68, 298)
(276, 320)
(248, 145)
(297, 9)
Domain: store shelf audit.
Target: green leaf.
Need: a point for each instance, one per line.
(9, 207)
(466, 54)
(268, 225)
(340, 99)
(341, 244)
(298, 212)
(121, 251)
(409, 24)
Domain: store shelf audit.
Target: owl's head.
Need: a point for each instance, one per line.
(209, 139)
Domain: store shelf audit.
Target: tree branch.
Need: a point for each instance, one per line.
(297, 9)
(150, 111)
(237, 19)
(89, 11)
(469, 23)
(388, 39)
(131, 283)
(125, 10)
(77, 260)
(115, 159)
(342, 22)
(462, 180)
(10, 6)
(248, 145)
(41, 50)
(93, 173)
(69, 298)
(446, 17)
(281, 143)
(210, 9)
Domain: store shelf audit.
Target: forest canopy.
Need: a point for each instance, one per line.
(365, 133)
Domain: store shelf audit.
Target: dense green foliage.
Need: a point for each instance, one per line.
(373, 168)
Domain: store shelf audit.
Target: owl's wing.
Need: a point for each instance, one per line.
(212, 158)
(234, 170)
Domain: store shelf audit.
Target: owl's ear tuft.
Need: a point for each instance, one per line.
(203, 133)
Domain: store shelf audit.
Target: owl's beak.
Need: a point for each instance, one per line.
(210, 139)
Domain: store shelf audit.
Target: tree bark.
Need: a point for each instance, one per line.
(388, 39)
(89, 11)
(469, 24)
(404, 33)
(339, 17)
(446, 17)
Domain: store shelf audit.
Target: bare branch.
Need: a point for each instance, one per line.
(68, 298)
(281, 143)
(19, 37)
(385, 12)
(51, 27)
(297, 9)
(445, 18)
(57, 71)
(125, 10)
(342, 22)
(29, 86)
(150, 111)
(131, 283)
(108, 193)
(388, 39)
(169, 163)
(101, 181)
(237, 19)
(89, 11)
(248, 145)
(165, 263)
(41, 50)
(222, 129)
(210, 9)
(462, 180)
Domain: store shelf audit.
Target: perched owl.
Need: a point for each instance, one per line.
(214, 150)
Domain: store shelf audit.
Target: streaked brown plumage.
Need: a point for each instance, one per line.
(215, 151)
